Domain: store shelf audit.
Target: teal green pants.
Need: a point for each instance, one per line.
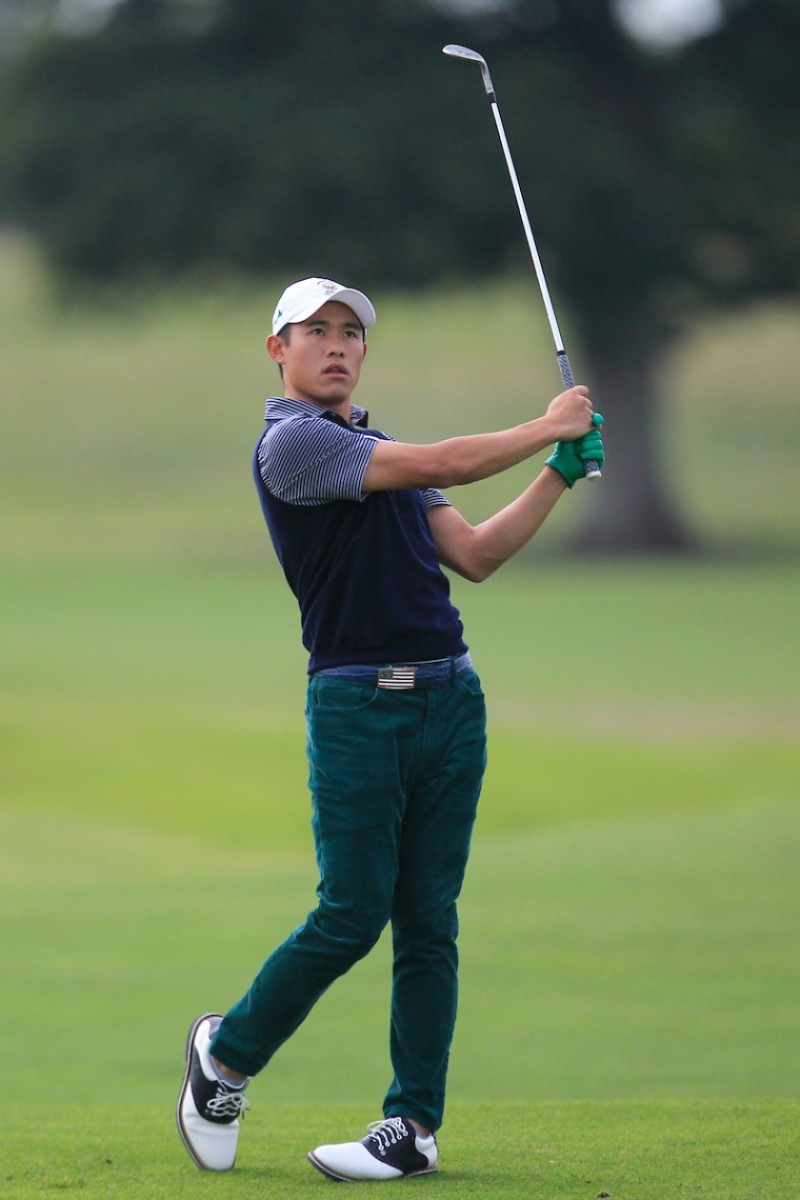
(395, 779)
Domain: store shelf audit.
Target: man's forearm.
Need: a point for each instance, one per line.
(466, 459)
(499, 538)
(476, 551)
(457, 460)
(472, 457)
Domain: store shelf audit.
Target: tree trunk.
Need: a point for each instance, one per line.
(633, 509)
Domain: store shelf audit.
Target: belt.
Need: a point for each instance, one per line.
(402, 676)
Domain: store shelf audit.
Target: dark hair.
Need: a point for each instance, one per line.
(284, 335)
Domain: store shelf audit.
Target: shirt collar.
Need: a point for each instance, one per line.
(280, 407)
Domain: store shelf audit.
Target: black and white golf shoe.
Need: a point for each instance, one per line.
(391, 1149)
(208, 1108)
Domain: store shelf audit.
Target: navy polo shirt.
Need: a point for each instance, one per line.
(363, 565)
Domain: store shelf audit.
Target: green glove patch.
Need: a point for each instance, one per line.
(569, 458)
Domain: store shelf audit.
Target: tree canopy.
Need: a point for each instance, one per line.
(336, 139)
(266, 136)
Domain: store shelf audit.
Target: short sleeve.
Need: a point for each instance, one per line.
(432, 496)
(310, 461)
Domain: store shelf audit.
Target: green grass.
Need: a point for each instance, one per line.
(568, 1151)
(630, 969)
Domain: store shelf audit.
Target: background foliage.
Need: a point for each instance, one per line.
(274, 139)
(334, 139)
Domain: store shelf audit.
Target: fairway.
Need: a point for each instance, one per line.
(629, 927)
(628, 1020)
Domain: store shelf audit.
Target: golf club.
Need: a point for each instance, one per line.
(592, 469)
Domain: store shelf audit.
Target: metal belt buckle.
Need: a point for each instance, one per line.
(396, 677)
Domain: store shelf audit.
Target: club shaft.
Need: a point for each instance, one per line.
(526, 225)
(592, 468)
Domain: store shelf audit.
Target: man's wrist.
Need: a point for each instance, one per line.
(545, 431)
(556, 479)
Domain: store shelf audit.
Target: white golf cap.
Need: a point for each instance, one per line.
(301, 300)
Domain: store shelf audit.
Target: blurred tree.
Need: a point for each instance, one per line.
(22, 19)
(334, 138)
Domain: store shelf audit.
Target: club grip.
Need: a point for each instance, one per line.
(565, 369)
(591, 470)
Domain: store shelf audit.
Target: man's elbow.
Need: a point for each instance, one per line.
(475, 570)
(483, 571)
(443, 471)
(448, 466)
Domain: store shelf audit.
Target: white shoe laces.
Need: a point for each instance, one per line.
(228, 1104)
(387, 1133)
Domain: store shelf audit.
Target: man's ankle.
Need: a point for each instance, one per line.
(227, 1075)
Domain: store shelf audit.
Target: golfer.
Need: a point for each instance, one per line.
(395, 713)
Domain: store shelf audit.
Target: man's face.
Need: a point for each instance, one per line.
(322, 359)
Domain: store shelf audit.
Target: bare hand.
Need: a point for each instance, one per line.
(570, 414)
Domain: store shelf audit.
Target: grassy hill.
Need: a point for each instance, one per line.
(128, 427)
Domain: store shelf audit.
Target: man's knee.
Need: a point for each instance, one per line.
(354, 933)
(423, 927)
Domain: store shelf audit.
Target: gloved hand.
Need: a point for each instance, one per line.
(570, 458)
